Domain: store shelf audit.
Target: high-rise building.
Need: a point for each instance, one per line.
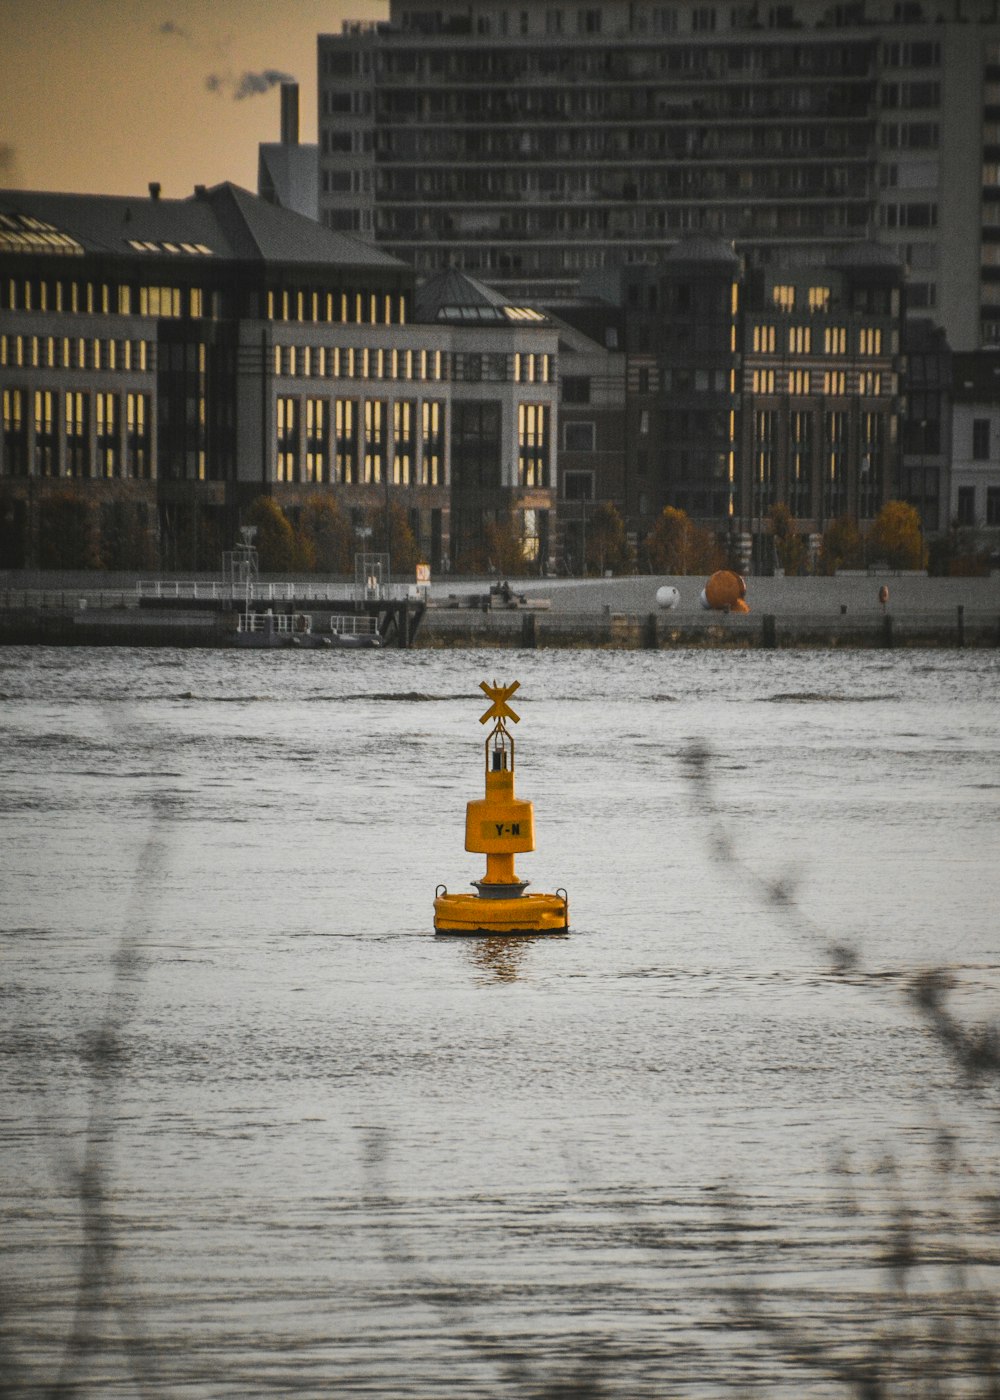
(530, 144)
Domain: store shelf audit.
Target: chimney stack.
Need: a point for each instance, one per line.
(154, 189)
(289, 114)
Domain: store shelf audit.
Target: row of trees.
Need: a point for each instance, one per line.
(895, 539)
(322, 539)
(676, 545)
(122, 534)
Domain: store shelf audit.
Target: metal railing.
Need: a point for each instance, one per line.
(268, 592)
(353, 624)
(289, 624)
(283, 623)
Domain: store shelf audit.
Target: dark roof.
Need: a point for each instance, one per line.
(224, 221)
(452, 297)
(591, 316)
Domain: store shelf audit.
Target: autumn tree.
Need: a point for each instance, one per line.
(607, 541)
(276, 545)
(68, 533)
(841, 547)
(789, 546)
(391, 534)
(126, 542)
(675, 545)
(896, 537)
(325, 537)
(503, 546)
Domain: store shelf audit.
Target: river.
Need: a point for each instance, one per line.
(265, 1134)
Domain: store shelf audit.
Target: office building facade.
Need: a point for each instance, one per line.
(750, 389)
(531, 144)
(165, 362)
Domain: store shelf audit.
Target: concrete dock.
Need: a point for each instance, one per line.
(103, 610)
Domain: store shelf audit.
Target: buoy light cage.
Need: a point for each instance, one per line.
(500, 826)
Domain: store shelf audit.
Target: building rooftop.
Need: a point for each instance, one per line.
(223, 221)
(452, 297)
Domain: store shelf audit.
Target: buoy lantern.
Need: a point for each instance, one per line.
(500, 826)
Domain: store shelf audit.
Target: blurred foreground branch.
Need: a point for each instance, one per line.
(934, 1330)
(100, 1291)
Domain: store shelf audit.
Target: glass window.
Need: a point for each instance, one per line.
(533, 444)
(316, 444)
(287, 439)
(404, 416)
(346, 435)
(981, 439)
(576, 389)
(578, 437)
(433, 442)
(376, 414)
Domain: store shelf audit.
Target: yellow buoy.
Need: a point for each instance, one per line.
(500, 826)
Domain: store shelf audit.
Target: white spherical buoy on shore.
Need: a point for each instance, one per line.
(667, 596)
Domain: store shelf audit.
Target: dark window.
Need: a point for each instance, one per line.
(966, 505)
(475, 445)
(576, 389)
(981, 439)
(578, 437)
(579, 486)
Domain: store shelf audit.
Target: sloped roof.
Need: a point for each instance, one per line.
(453, 297)
(224, 221)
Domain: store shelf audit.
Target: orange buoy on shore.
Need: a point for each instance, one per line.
(725, 591)
(500, 826)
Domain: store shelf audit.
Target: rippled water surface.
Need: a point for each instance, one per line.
(264, 1134)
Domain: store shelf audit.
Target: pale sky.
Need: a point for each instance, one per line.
(103, 96)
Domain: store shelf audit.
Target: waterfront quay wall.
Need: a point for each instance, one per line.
(656, 631)
(844, 611)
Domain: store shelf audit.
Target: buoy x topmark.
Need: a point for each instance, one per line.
(500, 826)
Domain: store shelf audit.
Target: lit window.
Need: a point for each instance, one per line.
(798, 382)
(799, 340)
